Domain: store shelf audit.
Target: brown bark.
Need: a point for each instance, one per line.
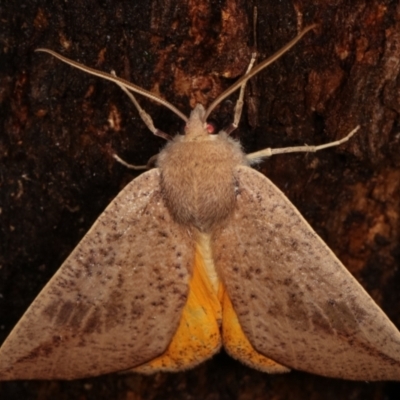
(60, 126)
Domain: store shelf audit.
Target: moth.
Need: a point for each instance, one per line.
(198, 253)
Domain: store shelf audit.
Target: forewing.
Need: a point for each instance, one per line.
(296, 302)
(117, 299)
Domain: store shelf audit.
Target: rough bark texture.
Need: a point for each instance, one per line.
(60, 126)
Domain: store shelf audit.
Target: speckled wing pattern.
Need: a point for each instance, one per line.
(112, 305)
(295, 301)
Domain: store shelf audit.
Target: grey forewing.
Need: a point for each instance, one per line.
(295, 301)
(115, 302)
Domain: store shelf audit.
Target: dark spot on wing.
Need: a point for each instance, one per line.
(51, 310)
(64, 313)
(287, 281)
(137, 311)
(115, 311)
(320, 322)
(93, 323)
(297, 312)
(44, 350)
(340, 316)
(79, 313)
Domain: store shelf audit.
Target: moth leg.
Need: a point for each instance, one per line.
(254, 157)
(127, 165)
(152, 163)
(146, 118)
(239, 102)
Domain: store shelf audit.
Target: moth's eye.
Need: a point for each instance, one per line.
(212, 127)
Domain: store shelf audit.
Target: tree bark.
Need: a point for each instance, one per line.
(61, 126)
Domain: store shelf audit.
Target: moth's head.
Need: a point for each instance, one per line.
(197, 127)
